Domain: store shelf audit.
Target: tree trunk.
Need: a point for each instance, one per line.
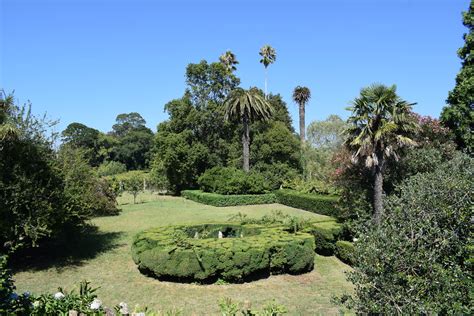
(246, 143)
(266, 77)
(378, 193)
(302, 124)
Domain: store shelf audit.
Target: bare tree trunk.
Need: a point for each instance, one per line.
(246, 143)
(302, 124)
(266, 78)
(378, 194)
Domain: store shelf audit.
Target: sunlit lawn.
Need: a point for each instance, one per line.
(104, 259)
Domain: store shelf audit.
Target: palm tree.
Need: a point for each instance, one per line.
(229, 60)
(378, 126)
(301, 95)
(8, 130)
(268, 57)
(247, 106)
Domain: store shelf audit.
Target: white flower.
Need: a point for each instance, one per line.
(36, 304)
(96, 304)
(355, 239)
(58, 295)
(124, 308)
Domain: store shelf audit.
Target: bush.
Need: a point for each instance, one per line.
(417, 261)
(223, 180)
(194, 253)
(345, 251)
(321, 204)
(110, 168)
(326, 234)
(228, 200)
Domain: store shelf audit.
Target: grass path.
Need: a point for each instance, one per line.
(104, 259)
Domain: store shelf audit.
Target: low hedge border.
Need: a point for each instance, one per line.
(321, 204)
(249, 250)
(220, 200)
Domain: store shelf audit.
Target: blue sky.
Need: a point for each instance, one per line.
(87, 61)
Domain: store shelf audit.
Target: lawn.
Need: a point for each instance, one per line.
(104, 259)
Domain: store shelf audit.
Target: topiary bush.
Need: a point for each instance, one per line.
(321, 204)
(215, 199)
(345, 251)
(228, 180)
(326, 234)
(195, 253)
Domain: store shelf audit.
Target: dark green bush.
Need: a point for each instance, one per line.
(417, 261)
(228, 180)
(321, 204)
(228, 200)
(345, 251)
(194, 253)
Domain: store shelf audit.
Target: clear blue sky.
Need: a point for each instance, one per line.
(87, 61)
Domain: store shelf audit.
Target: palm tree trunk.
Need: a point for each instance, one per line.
(246, 143)
(302, 124)
(266, 78)
(378, 193)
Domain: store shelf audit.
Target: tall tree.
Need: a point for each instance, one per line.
(268, 57)
(301, 95)
(379, 125)
(248, 106)
(459, 114)
(229, 60)
(7, 127)
(126, 122)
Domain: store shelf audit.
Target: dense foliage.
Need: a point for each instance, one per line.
(196, 137)
(195, 252)
(458, 115)
(419, 260)
(33, 202)
(215, 199)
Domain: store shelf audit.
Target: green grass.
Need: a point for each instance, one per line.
(104, 259)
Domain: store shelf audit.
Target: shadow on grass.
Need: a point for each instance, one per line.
(67, 252)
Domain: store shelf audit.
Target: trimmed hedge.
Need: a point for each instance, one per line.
(326, 234)
(345, 251)
(228, 200)
(174, 252)
(321, 204)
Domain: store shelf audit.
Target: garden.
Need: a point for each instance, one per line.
(226, 209)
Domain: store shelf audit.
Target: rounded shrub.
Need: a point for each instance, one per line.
(195, 253)
(228, 180)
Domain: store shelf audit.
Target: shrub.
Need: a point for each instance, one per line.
(228, 200)
(321, 204)
(194, 253)
(110, 168)
(345, 251)
(417, 261)
(223, 180)
(326, 234)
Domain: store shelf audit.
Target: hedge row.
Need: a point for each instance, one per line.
(228, 200)
(326, 234)
(345, 251)
(193, 253)
(321, 204)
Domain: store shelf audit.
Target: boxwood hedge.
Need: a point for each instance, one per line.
(228, 200)
(321, 204)
(194, 253)
(326, 234)
(345, 251)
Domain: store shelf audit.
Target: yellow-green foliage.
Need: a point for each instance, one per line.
(215, 199)
(173, 252)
